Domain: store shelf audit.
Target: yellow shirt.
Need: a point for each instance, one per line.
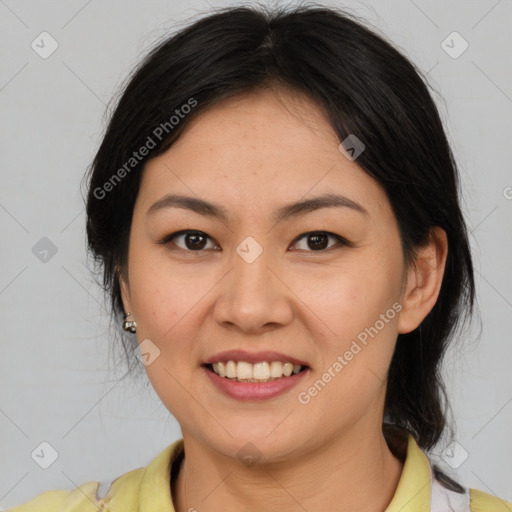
(147, 489)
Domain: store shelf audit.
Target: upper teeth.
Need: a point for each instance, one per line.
(258, 371)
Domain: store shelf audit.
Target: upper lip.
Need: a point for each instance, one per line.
(253, 357)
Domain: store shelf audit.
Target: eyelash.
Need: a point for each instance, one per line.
(342, 242)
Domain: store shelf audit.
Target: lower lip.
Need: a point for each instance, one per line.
(254, 390)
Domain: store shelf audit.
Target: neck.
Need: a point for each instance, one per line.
(352, 473)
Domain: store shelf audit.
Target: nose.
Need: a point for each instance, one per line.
(254, 297)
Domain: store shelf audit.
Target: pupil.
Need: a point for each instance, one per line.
(194, 238)
(317, 241)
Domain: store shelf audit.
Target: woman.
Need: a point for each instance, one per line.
(275, 208)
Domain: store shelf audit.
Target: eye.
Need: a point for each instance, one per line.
(318, 240)
(193, 240)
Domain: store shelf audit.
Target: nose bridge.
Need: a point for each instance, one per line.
(250, 272)
(252, 296)
(251, 260)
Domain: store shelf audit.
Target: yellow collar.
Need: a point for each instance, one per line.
(413, 491)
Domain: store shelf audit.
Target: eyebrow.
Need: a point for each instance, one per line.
(208, 209)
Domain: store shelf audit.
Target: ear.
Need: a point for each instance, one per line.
(124, 286)
(423, 281)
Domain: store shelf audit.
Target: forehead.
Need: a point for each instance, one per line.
(275, 124)
(259, 149)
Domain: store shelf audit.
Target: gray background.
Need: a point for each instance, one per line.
(56, 382)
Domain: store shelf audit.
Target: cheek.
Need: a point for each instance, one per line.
(353, 298)
(163, 294)
(358, 307)
(361, 312)
(165, 306)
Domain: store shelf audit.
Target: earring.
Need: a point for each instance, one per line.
(129, 325)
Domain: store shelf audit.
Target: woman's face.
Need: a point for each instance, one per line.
(255, 282)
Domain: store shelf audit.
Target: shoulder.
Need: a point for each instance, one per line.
(50, 500)
(89, 497)
(448, 493)
(139, 489)
(483, 502)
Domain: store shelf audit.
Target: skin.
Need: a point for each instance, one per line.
(252, 154)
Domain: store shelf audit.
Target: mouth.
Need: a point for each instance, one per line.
(267, 375)
(260, 372)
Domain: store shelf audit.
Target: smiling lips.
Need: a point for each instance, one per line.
(242, 371)
(241, 366)
(253, 389)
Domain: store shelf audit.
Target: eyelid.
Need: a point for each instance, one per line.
(169, 238)
(342, 242)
